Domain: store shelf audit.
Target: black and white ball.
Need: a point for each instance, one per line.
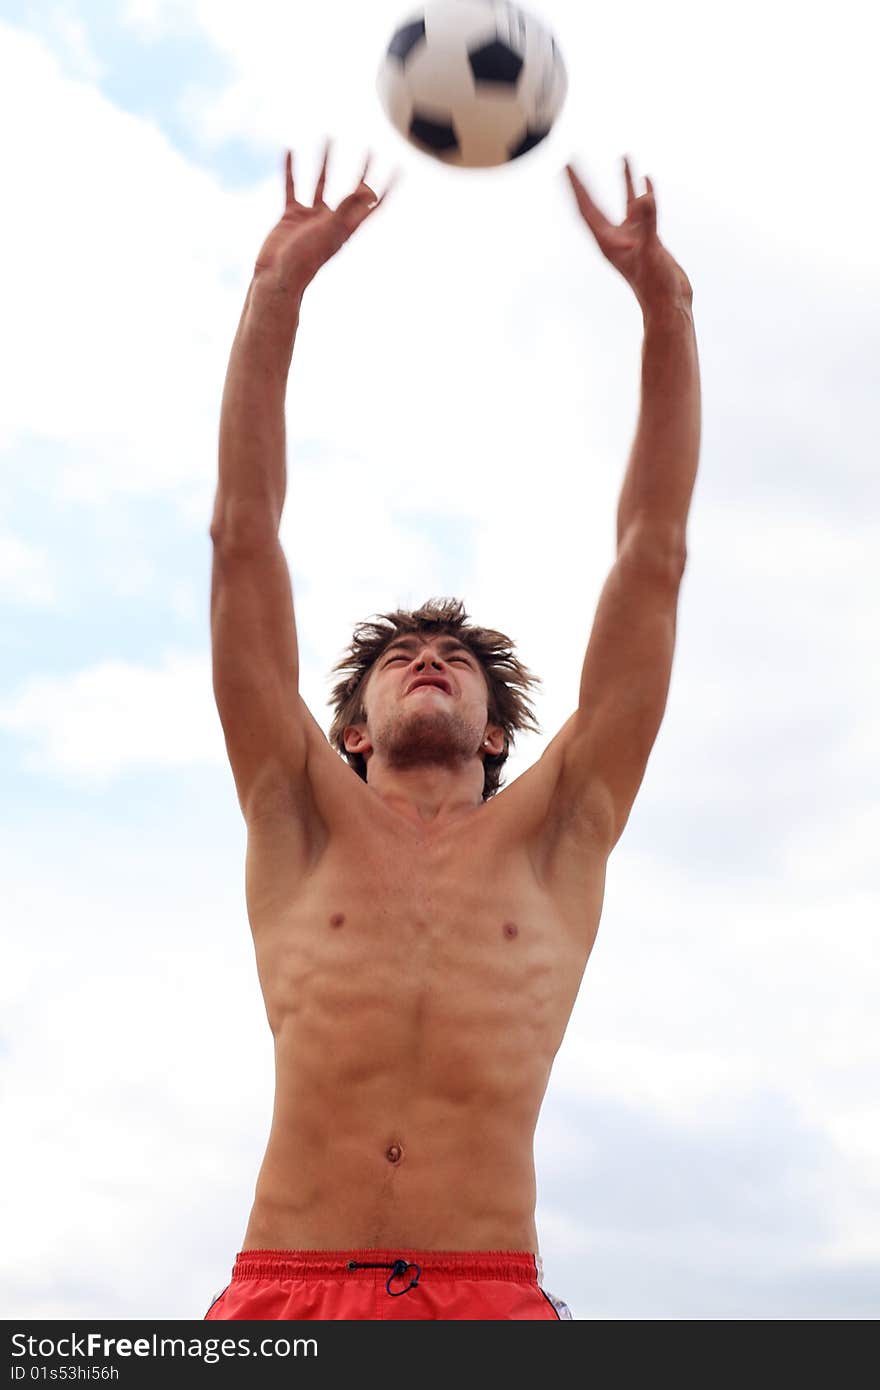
(474, 83)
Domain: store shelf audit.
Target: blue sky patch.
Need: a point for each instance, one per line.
(145, 76)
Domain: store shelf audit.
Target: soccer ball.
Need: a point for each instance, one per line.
(474, 83)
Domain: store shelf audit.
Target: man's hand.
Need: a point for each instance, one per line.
(634, 248)
(310, 233)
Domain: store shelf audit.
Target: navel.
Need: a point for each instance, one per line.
(394, 1153)
(337, 919)
(510, 930)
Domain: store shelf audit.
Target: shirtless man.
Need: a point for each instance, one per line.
(420, 941)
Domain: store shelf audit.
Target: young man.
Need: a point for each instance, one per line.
(420, 941)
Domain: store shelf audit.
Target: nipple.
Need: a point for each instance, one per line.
(510, 930)
(337, 919)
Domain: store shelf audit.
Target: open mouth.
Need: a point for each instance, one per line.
(429, 685)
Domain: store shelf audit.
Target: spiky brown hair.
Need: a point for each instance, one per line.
(508, 679)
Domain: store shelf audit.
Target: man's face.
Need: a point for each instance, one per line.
(426, 700)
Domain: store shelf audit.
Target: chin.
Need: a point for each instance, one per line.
(429, 736)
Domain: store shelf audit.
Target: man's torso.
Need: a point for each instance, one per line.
(418, 983)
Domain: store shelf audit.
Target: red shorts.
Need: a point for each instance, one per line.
(384, 1285)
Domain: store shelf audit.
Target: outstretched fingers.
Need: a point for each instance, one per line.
(640, 209)
(392, 183)
(363, 193)
(630, 186)
(322, 176)
(592, 215)
(374, 201)
(363, 202)
(648, 208)
(354, 209)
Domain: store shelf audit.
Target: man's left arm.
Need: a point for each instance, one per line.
(625, 680)
(662, 466)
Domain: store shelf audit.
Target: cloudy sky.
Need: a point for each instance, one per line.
(462, 403)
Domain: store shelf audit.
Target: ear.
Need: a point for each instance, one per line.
(493, 740)
(356, 739)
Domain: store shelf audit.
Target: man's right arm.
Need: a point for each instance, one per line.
(253, 628)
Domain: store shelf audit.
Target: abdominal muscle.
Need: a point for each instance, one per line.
(416, 1016)
(392, 1169)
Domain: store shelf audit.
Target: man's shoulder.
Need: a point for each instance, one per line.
(534, 797)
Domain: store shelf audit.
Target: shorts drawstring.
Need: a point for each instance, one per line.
(398, 1269)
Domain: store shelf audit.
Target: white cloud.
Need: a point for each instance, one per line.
(72, 34)
(117, 717)
(26, 573)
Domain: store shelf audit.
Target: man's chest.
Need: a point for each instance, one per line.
(421, 938)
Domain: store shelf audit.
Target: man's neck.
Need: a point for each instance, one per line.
(428, 795)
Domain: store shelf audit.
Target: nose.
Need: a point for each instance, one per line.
(428, 657)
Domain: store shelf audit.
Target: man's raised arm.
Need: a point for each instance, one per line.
(251, 490)
(253, 470)
(657, 490)
(605, 747)
(662, 466)
(253, 632)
